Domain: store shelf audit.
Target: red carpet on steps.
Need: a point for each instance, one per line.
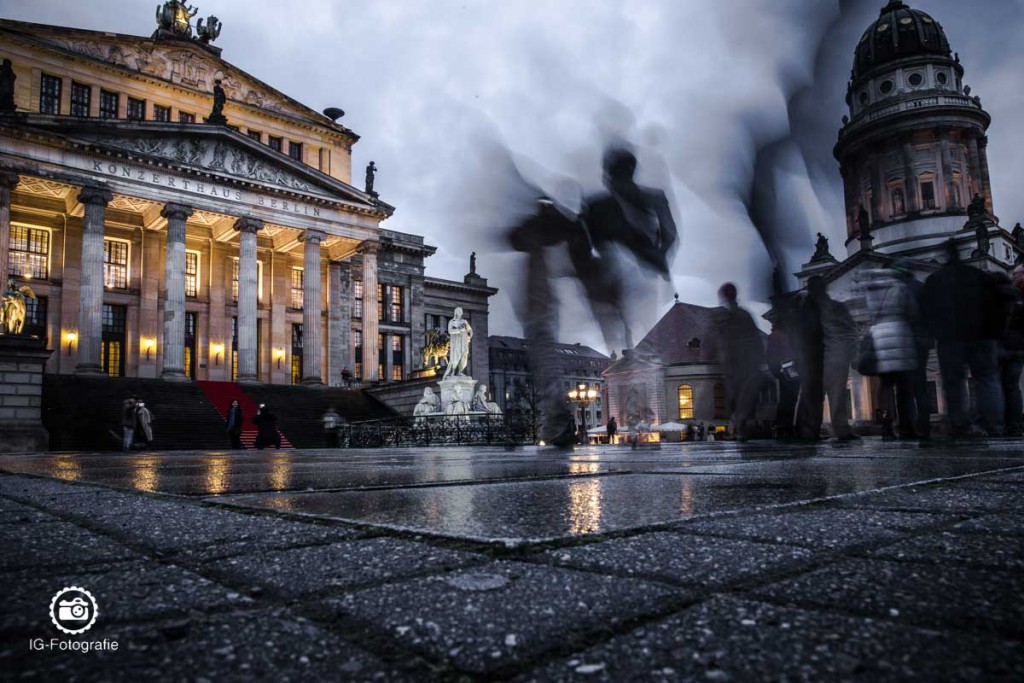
(221, 394)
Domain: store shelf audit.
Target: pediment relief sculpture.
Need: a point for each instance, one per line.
(211, 155)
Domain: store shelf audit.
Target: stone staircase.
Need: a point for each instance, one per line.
(221, 394)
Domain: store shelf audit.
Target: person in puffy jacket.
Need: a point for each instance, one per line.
(892, 309)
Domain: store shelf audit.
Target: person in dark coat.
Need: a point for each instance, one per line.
(743, 359)
(967, 315)
(891, 308)
(613, 428)
(234, 425)
(266, 428)
(1011, 358)
(829, 339)
(780, 354)
(924, 344)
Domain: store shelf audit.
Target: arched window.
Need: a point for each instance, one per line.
(685, 393)
(720, 412)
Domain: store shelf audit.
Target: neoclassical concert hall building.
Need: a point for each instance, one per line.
(163, 240)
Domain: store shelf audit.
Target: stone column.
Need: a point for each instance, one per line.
(247, 298)
(339, 327)
(174, 292)
(909, 178)
(312, 342)
(947, 173)
(371, 324)
(877, 192)
(974, 162)
(985, 178)
(90, 291)
(8, 181)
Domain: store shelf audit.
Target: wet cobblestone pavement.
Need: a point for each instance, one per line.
(877, 561)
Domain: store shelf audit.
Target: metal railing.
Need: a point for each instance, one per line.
(439, 430)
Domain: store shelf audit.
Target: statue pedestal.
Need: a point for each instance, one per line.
(457, 389)
(21, 373)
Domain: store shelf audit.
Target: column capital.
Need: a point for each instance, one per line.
(98, 196)
(250, 225)
(180, 211)
(8, 179)
(313, 236)
(368, 247)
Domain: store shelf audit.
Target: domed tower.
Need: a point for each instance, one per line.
(912, 151)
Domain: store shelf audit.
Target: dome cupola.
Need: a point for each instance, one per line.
(898, 33)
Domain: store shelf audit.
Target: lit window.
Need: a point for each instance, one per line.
(81, 97)
(115, 264)
(397, 358)
(49, 94)
(357, 299)
(296, 353)
(297, 287)
(192, 273)
(112, 344)
(234, 280)
(109, 104)
(29, 254)
(161, 113)
(185, 117)
(357, 352)
(685, 393)
(136, 109)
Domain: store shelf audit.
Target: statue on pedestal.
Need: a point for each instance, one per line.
(371, 174)
(482, 404)
(219, 98)
(430, 403)
(460, 333)
(13, 307)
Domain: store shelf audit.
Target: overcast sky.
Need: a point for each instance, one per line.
(435, 86)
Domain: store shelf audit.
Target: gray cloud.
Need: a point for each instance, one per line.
(435, 87)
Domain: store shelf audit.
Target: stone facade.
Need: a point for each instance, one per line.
(162, 246)
(21, 394)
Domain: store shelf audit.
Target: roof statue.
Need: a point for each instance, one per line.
(472, 263)
(208, 32)
(219, 98)
(371, 173)
(821, 252)
(977, 207)
(174, 17)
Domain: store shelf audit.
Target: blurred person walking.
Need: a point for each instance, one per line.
(892, 308)
(965, 312)
(128, 422)
(780, 353)
(266, 428)
(829, 339)
(144, 423)
(743, 359)
(332, 422)
(1011, 358)
(234, 425)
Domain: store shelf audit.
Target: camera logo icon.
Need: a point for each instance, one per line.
(73, 610)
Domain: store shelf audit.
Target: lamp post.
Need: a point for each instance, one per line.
(584, 396)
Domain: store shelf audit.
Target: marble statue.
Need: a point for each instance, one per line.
(460, 333)
(208, 33)
(430, 403)
(482, 404)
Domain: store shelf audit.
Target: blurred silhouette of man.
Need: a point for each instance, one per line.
(743, 359)
(967, 314)
(627, 215)
(829, 340)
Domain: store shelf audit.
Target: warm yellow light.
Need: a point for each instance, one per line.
(148, 344)
(573, 394)
(582, 387)
(71, 336)
(218, 348)
(279, 353)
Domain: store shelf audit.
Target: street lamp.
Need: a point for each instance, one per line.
(584, 396)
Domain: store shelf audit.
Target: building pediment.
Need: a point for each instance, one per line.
(214, 151)
(182, 63)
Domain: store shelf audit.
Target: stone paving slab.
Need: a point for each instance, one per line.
(930, 596)
(519, 512)
(1000, 524)
(35, 546)
(728, 639)
(490, 618)
(127, 591)
(940, 499)
(989, 551)
(270, 645)
(830, 528)
(701, 562)
(177, 526)
(23, 514)
(293, 573)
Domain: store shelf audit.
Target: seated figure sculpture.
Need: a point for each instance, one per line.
(430, 403)
(482, 404)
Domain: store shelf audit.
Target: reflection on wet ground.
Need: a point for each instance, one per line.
(494, 494)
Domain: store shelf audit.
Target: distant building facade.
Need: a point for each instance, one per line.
(511, 383)
(163, 243)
